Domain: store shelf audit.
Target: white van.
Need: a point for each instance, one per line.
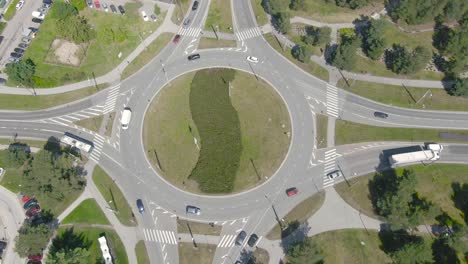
(145, 17)
(126, 116)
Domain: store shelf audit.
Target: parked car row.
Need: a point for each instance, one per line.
(33, 210)
(96, 4)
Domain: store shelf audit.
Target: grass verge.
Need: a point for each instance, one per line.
(170, 130)
(310, 67)
(434, 183)
(31, 143)
(300, 213)
(90, 236)
(219, 16)
(147, 55)
(93, 123)
(11, 11)
(30, 102)
(322, 124)
(259, 12)
(203, 253)
(351, 246)
(431, 98)
(209, 43)
(110, 124)
(114, 197)
(2, 26)
(261, 256)
(141, 253)
(349, 132)
(87, 212)
(198, 228)
(180, 10)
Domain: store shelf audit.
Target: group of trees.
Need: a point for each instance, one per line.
(304, 252)
(403, 61)
(69, 247)
(353, 4)
(22, 72)
(422, 11)
(344, 55)
(70, 25)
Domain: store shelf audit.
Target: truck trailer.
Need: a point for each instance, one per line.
(431, 152)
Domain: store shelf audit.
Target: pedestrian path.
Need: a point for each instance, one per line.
(98, 143)
(191, 32)
(332, 101)
(66, 120)
(160, 236)
(330, 165)
(227, 241)
(111, 99)
(248, 34)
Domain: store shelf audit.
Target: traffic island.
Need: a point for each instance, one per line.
(217, 131)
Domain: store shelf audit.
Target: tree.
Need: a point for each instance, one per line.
(76, 29)
(75, 256)
(297, 4)
(78, 4)
(413, 253)
(402, 61)
(353, 4)
(304, 252)
(32, 240)
(61, 10)
(283, 23)
(460, 87)
(374, 40)
(273, 7)
(22, 72)
(317, 36)
(301, 53)
(344, 56)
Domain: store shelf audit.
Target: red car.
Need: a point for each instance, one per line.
(97, 4)
(176, 39)
(292, 191)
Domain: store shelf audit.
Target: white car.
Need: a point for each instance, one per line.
(334, 174)
(105, 7)
(20, 5)
(145, 17)
(2, 171)
(252, 59)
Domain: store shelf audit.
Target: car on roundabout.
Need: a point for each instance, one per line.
(193, 57)
(252, 59)
(291, 191)
(190, 209)
(380, 115)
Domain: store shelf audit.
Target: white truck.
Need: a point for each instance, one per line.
(430, 152)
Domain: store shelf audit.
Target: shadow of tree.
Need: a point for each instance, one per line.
(443, 253)
(69, 240)
(298, 234)
(460, 198)
(53, 145)
(393, 241)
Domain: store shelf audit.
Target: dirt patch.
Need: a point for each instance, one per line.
(65, 52)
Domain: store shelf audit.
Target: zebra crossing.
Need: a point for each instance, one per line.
(227, 241)
(98, 143)
(160, 236)
(248, 33)
(67, 120)
(330, 163)
(192, 32)
(332, 101)
(111, 99)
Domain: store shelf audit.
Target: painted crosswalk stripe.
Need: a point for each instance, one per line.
(248, 33)
(332, 101)
(192, 32)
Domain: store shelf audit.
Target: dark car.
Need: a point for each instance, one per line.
(36, 219)
(240, 238)
(3, 245)
(33, 29)
(18, 50)
(252, 240)
(186, 21)
(194, 56)
(16, 55)
(33, 210)
(190, 209)
(36, 20)
(141, 207)
(292, 191)
(121, 9)
(113, 9)
(380, 114)
(195, 5)
(176, 39)
(23, 45)
(2, 81)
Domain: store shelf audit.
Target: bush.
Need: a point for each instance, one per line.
(157, 10)
(421, 11)
(317, 36)
(344, 56)
(61, 10)
(302, 53)
(44, 82)
(460, 88)
(297, 5)
(76, 29)
(78, 4)
(273, 7)
(402, 61)
(374, 41)
(282, 22)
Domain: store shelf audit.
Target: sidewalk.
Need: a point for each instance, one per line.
(110, 77)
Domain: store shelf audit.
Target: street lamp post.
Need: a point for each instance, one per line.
(164, 70)
(274, 211)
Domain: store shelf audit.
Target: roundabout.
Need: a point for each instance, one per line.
(242, 144)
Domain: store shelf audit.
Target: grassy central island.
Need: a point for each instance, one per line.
(217, 131)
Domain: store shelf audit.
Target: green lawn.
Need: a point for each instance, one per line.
(141, 253)
(31, 143)
(351, 246)
(87, 212)
(11, 11)
(300, 213)
(181, 8)
(147, 55)
(209, 43)
(30, 102)
(310, 67)
(91, 235)
(198, 228)
(113, 196)
(219, 16)
(114, 34)
(322, 124)
(259, 12)
(260, 111)
(328, 11)
(349, 132)
(399, 96)
(203, 253)
(93, 123)
(434, 183)
(295, 37)
(2, 26)
(110, 123)
(393, 35)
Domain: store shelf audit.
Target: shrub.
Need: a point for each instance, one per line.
(78, 4)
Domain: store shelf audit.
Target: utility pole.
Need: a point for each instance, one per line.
(164, 70)
(251, 68)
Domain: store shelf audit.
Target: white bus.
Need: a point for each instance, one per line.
(77, 142)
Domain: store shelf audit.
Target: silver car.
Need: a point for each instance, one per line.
(193, 210)
(334, 174)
